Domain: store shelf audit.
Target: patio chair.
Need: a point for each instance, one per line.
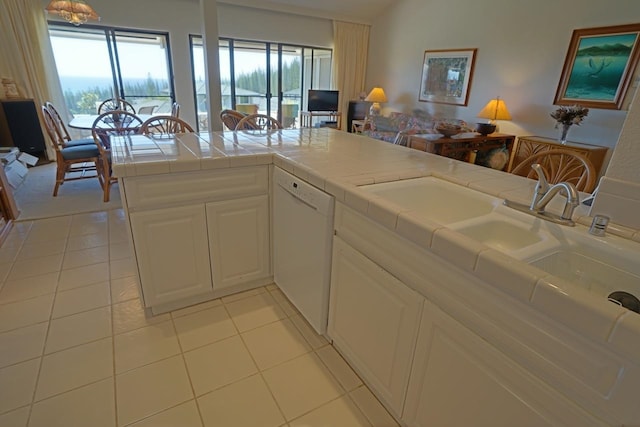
(175, 109)
(147, 109)
(105, 127)
(72, 163)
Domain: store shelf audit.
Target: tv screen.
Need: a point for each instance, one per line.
(322, 100)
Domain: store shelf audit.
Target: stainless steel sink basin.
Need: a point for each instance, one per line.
(437, 199)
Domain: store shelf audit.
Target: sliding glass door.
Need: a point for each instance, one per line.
(97, 63)
(267, 78)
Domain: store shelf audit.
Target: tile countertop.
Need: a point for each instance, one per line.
(338, 162)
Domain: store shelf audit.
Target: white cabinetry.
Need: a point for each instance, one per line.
(239, 239)
(458, 379)
(480, 357)
(373, 321)
(199, 235)
(172, 253)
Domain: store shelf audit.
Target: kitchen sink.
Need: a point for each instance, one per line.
(440, 200)
(601, 266)
(501, 235)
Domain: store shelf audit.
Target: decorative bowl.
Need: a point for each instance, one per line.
(431, 136)
(485, 128)
(448, 130)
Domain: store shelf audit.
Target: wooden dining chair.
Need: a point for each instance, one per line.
(64, 132)
(258, 122)
(560, 165)
(165, 126)
(230, 118)
(115, 104)
(73, 162)
(106, 126)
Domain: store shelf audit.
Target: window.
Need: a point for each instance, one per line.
(98, 63)
(268, 78)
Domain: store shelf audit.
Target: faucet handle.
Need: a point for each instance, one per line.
(543, 185)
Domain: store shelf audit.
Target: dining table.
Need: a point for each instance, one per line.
(85, 122)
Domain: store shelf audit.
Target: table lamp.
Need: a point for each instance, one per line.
(496, 109)
(376, 96)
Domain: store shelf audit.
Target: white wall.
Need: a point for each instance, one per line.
(521, 45)
(625, 162)
(180, 18)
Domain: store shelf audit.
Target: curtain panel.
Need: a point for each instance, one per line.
(27, 56)
(350, 52)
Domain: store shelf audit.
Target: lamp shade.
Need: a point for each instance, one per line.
(74, 11)
(376, 95)
(496, 109)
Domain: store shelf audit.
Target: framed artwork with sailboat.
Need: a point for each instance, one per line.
(599, 66)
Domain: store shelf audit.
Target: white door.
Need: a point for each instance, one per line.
(239, 239)
(172, 253)
(373, 321)
(460, 380)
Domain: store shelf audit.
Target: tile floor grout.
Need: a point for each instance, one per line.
(105, 230)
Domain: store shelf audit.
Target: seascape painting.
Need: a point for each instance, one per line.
(599, 66)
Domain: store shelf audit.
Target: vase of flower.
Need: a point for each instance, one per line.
(563, 133)
(567, 116)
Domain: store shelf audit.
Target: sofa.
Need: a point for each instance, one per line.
(397, 126)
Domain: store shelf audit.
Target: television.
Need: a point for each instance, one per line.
(322, 100)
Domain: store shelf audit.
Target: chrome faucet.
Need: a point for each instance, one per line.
(544, 193)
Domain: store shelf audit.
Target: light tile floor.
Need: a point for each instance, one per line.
(77, 350)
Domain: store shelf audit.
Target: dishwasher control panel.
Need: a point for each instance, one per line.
(303, 190)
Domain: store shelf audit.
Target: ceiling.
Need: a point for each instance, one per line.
(363, 11)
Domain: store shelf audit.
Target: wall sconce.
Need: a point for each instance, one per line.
(74, 11)
(376, 96)
(496, 109)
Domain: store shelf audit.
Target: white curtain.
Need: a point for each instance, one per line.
(27, 57)
(350, 51)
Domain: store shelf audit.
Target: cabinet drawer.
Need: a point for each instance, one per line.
(203, 186)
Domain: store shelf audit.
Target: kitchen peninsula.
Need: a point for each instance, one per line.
(423, 313)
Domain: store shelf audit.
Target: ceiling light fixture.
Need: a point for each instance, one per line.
(74, 11)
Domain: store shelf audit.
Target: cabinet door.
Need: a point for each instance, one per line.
(172, 253)
(373, 321)
(460, 380)
(239, 239)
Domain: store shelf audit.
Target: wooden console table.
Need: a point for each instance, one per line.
(464, 149)
(306, 117)
(526, 146)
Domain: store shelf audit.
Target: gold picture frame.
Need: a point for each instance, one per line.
(599, 66)
(447, 75)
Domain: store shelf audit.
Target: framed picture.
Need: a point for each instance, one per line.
(599, 66)
(446, 76)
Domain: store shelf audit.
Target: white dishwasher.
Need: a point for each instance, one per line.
(302, 238)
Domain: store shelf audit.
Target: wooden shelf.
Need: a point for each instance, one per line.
(464, 149)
